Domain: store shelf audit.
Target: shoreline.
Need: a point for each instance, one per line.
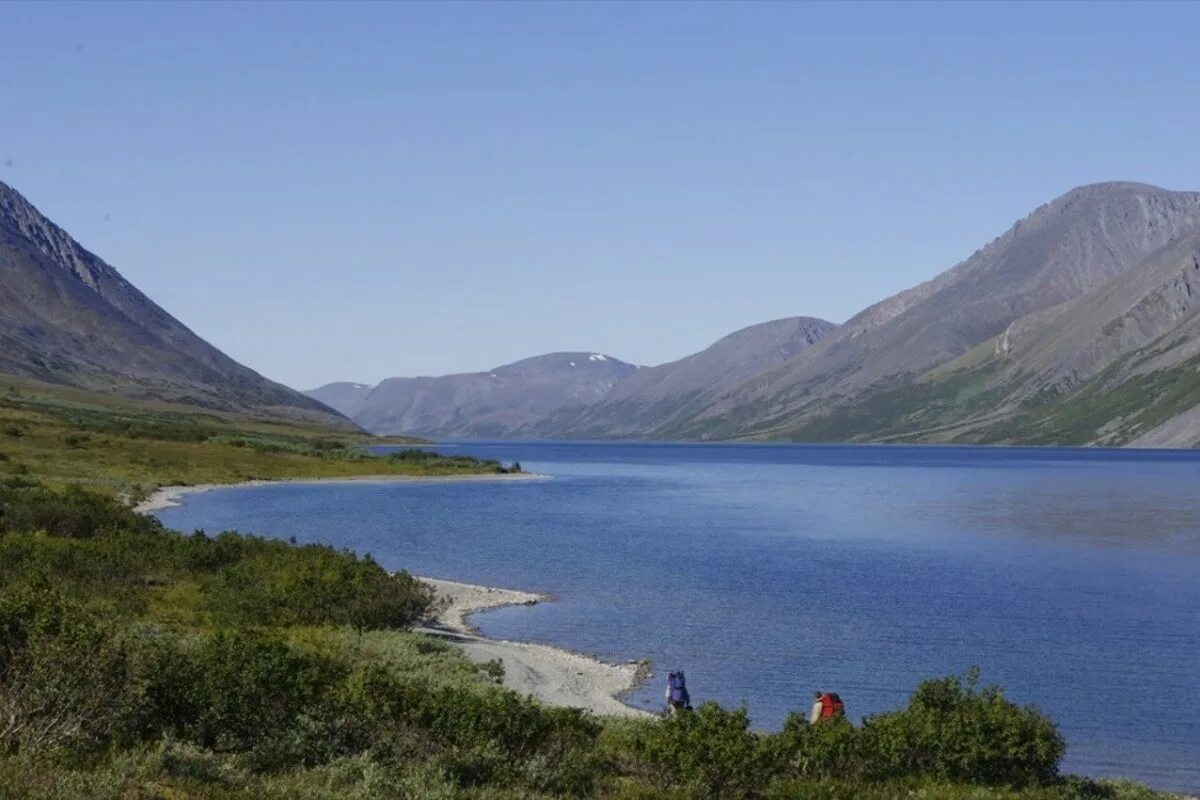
(170, 496)
(553, 675)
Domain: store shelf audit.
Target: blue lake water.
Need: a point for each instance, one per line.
(1070, 577)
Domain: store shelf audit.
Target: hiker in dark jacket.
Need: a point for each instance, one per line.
(677, 695)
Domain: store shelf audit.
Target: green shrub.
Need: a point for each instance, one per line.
(73, 512)
(232, 691)
(315, 585)
(437, 461)
(62, 674)
(831, 749)
(481, 736)
(955, 731)
(710, 752)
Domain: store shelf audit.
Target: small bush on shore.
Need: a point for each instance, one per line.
(450, 464)
(710, 753)
(956, 731)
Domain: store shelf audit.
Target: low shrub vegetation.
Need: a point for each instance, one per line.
(62, 436)
(450, 464)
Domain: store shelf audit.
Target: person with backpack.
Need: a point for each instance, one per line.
(677, 695)
(826, 706)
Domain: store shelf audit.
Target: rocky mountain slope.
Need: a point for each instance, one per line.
(506, 401)
(68, 318)
(1031, 339)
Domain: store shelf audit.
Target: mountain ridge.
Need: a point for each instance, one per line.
(503, 401)
(1022, 341)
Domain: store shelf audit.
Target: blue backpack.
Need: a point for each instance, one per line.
(677, 688)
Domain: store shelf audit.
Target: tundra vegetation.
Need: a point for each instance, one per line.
(66, 436)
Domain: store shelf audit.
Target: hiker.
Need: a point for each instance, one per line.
(826, 705)
(677, 693)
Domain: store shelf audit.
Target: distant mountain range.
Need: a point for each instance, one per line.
(1078, 325)
(68, 318)
(505, 401)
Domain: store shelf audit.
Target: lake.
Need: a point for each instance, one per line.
(1071, 577)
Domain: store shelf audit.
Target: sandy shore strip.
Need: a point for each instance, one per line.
(170, 496)
(552, 675)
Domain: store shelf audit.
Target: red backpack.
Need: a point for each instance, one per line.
(832, 706)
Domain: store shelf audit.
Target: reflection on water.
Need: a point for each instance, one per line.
(1071, 577)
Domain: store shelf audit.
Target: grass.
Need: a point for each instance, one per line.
(62, 436)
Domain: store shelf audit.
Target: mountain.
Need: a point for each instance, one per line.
(506, 401)
(658, 397)
(585, 395)
(1077, 326)
(347, 398)
(68, 318)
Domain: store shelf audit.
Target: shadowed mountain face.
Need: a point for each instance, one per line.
(67, 317)
(507, 401)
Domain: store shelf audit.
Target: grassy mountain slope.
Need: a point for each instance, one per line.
(1119, 365)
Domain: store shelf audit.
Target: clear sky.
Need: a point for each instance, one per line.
(340, 191)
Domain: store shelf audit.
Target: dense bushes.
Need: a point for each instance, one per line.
(70, 680)
(950, 731)
(74, 512)
(483, 736)
(315, 585)
(61, 677)
(111, 555)
(708, 753)
(436, 461)
(955, 731)
(830, 750)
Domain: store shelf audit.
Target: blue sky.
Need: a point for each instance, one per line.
(341, 191)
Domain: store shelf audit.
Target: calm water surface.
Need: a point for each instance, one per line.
(1071, 577)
